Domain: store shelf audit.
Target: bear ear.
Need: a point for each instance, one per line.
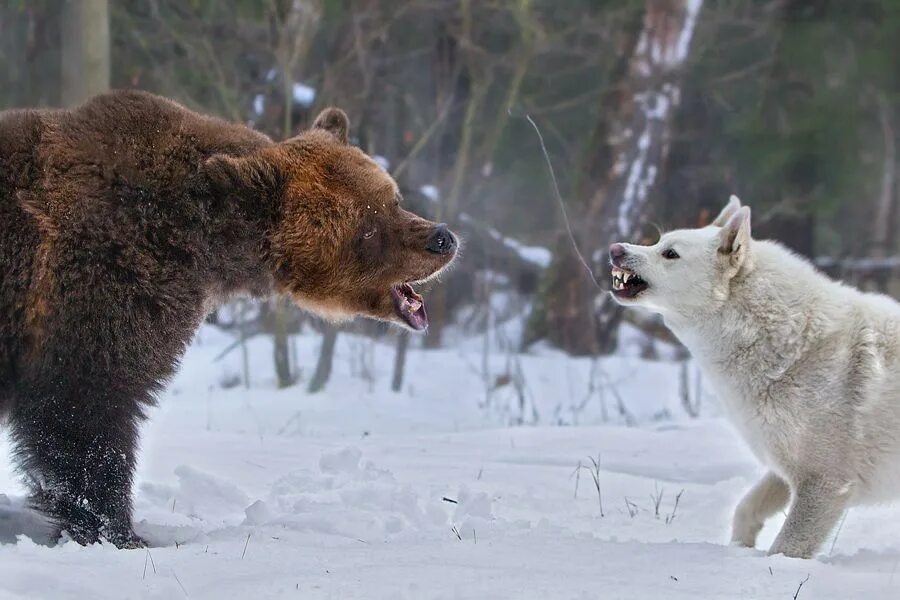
(229, 174)
(334, 121)
(732, 207)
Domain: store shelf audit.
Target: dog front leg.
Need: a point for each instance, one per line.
(768, 496)
(818, 504)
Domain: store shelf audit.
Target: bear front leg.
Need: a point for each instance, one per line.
(768, 496)
(818, 504)
(78, 454)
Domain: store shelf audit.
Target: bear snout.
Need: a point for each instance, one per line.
(441, 240)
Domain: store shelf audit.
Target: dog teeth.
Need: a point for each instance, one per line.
(620, 277)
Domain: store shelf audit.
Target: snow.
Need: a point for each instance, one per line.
(259, 104)
(303, 94)
(382, 162)
(538, 255)
(431, 192)
(433, 493)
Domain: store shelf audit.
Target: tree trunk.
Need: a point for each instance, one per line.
(629, 151)
(884, 231)
(400, 361)
(85, 50)
(562, 314)
(476, 89)
(326, 359)
(281, 347)
(643, 145)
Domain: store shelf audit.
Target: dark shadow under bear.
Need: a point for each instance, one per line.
(122, 223)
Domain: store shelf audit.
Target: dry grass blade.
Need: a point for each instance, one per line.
(247, 543)
(671, 516)
(595, 475)
(799, 587)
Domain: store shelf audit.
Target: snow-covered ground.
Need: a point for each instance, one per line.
(436, 492)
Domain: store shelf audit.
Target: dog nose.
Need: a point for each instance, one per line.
(617, 251)
(441, 240)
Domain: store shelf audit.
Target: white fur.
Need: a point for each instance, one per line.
(806, 367)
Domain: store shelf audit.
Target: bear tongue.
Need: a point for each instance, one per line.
(410, 306)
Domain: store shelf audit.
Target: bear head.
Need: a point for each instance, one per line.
(339, 241)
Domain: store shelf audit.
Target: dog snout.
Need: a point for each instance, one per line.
(441, 241)
(617, 252)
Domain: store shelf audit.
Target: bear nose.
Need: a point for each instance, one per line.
(441, 241)
(617, 251)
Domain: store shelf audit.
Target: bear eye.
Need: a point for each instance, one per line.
(670, 254)
(369, 234)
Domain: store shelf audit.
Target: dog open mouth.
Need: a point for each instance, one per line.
(627, 284)
(410, 306)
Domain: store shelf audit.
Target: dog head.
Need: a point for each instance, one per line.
(687, 270)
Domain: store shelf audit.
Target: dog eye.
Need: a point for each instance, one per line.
(670, 254)
(369, 234)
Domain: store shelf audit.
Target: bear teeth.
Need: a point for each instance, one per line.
(410, 306)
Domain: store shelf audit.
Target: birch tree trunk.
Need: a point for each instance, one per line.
(643, 143)
(883, 235)
(630, 148)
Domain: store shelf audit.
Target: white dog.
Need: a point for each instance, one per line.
(808, 369)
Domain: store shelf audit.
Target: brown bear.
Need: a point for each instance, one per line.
(122, 222)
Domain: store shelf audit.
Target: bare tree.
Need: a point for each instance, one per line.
(632, 143)
(85, 49)
(326, 359)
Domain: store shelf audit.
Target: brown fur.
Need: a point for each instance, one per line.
(121, 222)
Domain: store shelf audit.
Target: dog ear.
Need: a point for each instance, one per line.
(734, 238)
(732, 207)
(334, 121)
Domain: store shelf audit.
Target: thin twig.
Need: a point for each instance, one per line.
(657, 498)
(797, 593)
(559, 199)
(631, 507)
(838, 532)
(247, 543)
(671, 516)
(186, 595)
(595, 475)
(577, 474)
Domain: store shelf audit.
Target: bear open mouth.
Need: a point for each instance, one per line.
(410, 306)
(627, 284)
